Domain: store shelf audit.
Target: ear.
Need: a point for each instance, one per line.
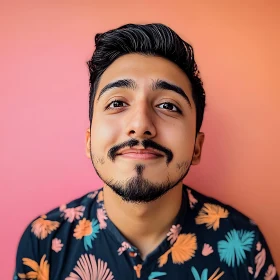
(88, 143)
(198, 148)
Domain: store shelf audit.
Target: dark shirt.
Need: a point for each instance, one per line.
(208, 241)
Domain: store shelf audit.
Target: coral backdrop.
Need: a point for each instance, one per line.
(44, 104)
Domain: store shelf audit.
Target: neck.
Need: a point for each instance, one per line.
(144, 225)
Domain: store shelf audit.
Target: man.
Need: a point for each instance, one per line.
(146, 108)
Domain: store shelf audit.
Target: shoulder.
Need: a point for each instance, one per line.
(49, 232)
(204, 205)
(62, 219)
(236, 237)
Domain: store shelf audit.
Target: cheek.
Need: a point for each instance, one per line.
(103, 135)
(180, 138)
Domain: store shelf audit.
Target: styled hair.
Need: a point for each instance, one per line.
(150, 39)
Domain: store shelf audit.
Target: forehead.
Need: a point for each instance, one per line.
(144, 69)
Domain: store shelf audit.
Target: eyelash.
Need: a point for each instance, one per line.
(116, 100)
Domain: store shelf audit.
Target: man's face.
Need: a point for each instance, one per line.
(142, 138)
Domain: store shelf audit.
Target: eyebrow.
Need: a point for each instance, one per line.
(156, 85)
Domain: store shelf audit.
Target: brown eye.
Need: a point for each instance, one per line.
(170, 107)
(115, 104)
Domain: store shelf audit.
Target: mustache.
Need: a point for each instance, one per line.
(147, 143)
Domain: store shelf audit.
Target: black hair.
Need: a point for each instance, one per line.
(150, 39)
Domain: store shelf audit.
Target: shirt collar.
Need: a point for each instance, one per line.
(179, 222)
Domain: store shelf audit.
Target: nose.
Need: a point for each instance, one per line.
(140, 122)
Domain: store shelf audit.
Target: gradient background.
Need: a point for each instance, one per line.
(44, 104)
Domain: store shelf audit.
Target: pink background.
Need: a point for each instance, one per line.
(44, 104)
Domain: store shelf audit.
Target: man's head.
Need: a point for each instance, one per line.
(145, 93)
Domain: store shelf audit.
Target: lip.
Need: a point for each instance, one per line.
(144, 156)
(140, 154)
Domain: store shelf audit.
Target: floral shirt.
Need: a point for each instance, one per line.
(208, 241)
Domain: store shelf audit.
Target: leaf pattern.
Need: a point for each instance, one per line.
(70, 214)
(182, 250)
(89, 238)
(233, 249)
(207, 250)
(40, 272)
(192, 200)
(56, 245)
(250, 270)
(88, 269)
(42, 227)
(156, 274)
(259, 261)
(79, 230)
(125, 246)
(92, 195)
(173, 233)
(82, 229)
(214, 276)
(101, 216)
(196, 275)
(210, 215)
(204, 275)
(271, 273)
(137, 269)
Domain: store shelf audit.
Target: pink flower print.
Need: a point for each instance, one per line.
(100, 197)
(253, 222)
(101, 216)
(89, 268)
(42, 227)
(271, 273)
(258, 246)
(192, 200)
(56, 245)
(173, 233)
(92, 195)
(72, 213)
(207, 250)
(124, 247)
(250, 270)
(259, 261)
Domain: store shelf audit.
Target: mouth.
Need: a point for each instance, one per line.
(142, 156)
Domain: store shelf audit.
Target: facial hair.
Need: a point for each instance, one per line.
(140, 190)
(137, 189)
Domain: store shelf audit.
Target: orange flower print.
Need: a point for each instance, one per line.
(192, 200)
(182, 250)
(42, 227)
(137, 269)
(40, 272)
(210, 215)
(173, 233)
(260, 261)
(204, 275)
(71, 214)
(271, 273)
(84, 228)
(132, 254)
(56, 245)
(214, 276)
(207, 250)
